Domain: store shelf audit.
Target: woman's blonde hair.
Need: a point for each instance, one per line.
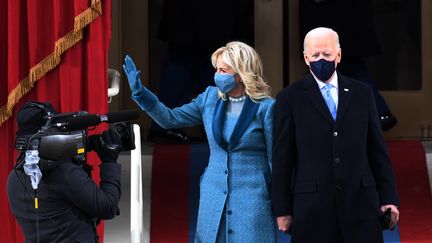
(246, 62)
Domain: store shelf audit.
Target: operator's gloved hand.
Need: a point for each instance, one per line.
(107, 146)
(133, 75)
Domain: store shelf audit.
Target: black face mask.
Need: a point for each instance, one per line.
(323, 69)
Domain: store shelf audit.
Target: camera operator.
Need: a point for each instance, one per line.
(67, 204)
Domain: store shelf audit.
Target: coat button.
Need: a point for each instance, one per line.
(338, 187)
(226, 172)
(335, 134)
(229, 212)
(225, 192)
(337, 160)
(230, 231)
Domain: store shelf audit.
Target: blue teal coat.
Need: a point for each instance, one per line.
(236, 183)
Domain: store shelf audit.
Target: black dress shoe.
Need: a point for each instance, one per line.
(388, 121)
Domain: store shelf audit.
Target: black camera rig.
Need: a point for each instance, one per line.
(65, 135)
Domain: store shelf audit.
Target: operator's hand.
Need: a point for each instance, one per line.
(107, 146)
(133, 75)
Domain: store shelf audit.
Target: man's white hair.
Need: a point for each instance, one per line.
(318, 32)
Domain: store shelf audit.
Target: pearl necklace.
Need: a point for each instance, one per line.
(238, 99)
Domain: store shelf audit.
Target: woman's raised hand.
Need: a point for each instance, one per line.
(133, 75)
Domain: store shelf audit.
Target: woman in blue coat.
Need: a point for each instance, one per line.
(237, 115)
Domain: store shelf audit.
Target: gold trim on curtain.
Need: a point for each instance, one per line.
(52, 60)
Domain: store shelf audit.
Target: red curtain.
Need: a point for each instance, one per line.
(55, 51)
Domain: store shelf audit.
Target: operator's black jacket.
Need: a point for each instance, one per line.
(68, 201)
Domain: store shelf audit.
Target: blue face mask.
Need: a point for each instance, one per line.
(225, 82)
(323, 69)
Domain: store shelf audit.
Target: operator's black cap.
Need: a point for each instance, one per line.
(32, 116)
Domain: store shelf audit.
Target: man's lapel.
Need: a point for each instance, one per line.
(312, 91)
(344, 97)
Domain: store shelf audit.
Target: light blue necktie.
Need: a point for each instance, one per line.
(329, 100)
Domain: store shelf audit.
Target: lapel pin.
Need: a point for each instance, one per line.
(346, 90)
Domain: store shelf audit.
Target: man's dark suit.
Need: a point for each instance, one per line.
(332, 177)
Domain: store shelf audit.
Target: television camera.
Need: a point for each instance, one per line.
(65, 135)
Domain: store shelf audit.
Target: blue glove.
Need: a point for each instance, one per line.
(133, 75)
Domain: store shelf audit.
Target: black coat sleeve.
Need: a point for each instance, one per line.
(284, 155)
(378, 158)
(97, 201)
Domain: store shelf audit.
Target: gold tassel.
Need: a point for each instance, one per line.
(86, 17)
(67, 42)
(13, 97)
(52, 60)
(97, 7)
